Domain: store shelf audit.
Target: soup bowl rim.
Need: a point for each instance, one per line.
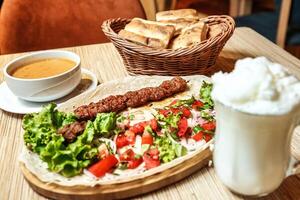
(75, 59)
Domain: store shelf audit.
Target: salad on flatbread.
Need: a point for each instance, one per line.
(145, 124)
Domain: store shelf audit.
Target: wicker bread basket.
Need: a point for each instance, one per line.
(198, 59)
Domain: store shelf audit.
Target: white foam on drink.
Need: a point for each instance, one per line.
(257, 86)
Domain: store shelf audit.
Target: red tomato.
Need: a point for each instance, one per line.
(132, 164)
(127, 155)
(207, 137)
(130, 136)
(186, 112)
(209, 126)
(197, 105)
(198, 136)
(153, 124)
(121, 141)
(147, 138)
(138, 128)
(134, 129)
(130, 157)
(182, 126)
(151, 158)
(154, 153)
(164, 112)
(103, 166)
(175, 110)
(174, 102)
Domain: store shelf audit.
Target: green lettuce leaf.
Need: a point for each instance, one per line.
(72, 159)
(184, 102)
(205, 95)
(40, 127)
(105, 123)
(171, 120)
(169, 150)
(42, 138)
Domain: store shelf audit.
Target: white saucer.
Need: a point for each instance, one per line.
(10, 103)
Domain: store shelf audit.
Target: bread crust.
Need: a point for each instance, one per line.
(190, 36)
(177, 14)
(158, 34)
(180, 24)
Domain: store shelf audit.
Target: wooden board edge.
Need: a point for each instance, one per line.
(122, 190)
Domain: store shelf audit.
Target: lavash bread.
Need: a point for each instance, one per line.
(158, 35)
(190, 35)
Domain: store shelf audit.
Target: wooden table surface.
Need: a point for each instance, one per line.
(105, 62)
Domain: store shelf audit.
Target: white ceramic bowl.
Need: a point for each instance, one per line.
(43, 89)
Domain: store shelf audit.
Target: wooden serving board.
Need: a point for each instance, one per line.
(150, 180)
(122, 190)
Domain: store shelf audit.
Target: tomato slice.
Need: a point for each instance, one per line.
(130, 157)
(198, 136)
(182, 126)
(151, 158)
(147, 138)
(207, 137)
(164, 112)
(197, 104)
(132, 164)
(154, 153)
(134, 129)
(209, 126)
(139, 127)
(153, 124)
(186, 112)
(130, 136)
(127, 155)
(175, 110)
(103, 166)
(173, 102)
(121, 141)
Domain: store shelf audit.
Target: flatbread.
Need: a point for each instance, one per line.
(176, 14)
(161, 33)
(190, 36)
(37, 167)
(133, 37)
(179, 24)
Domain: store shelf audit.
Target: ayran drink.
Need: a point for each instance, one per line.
(257, 108)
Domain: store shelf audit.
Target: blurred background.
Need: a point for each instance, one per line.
(27, 25)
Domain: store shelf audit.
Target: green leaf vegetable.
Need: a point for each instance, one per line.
(170, 121)
(42, 138)
(184, 102)
(40, 128)
(105, 123)
(205, 96)
(72, 159)
(168, 149)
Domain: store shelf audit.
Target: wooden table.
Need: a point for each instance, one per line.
(105, 62)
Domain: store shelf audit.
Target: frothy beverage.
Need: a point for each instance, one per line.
(257, 108)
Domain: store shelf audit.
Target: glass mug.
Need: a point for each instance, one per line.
(252, 152)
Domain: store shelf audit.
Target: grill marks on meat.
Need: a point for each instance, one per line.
(70, 131)
(109, 104)
(117, 103)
